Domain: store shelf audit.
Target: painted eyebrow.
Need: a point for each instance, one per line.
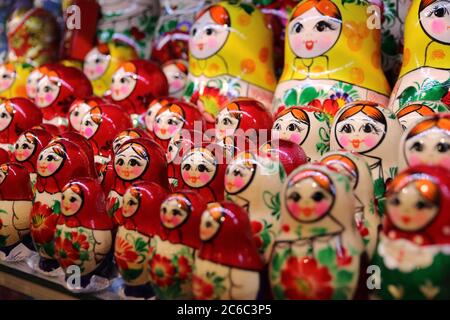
(133, 156)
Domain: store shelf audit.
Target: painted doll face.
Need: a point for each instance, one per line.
(123, 84)
(32, 83)
(307, 201)
(88, 127)
(359, 133)
(408, 119)
(409, 210)
(172, 213)
(95, 64)
(71, 202)
(207, 37)
(130, 204)
(150, 116)
(174, 146)
(5, 117)
(176, 78)
(7, 78)
(23, 148)
(435, 20)
(313, 34)
(208, 226)
(129, 164)
(77, 114)
(47, 92)
(198, 168)
(167, 124)
(226, 124)
(49, 161)
(431, 147)
(289, 128)
(238, 176)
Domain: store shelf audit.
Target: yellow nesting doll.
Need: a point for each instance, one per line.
(230, 55)
(425, 73)
(13, 79)
(103, 60)
(332, 57)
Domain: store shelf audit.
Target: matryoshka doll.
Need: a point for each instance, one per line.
(426, 142)
(57, 164)
(290, 154)
(135, 84)
(367, 219)
(413, 253)
(370, 130)
(78, 110)
(318, 241)
(83, 235)
(332, 56)
(32, 83)
(139, 224)
(100, 126)
(15, 206)
(254, 183)
(139, 159)
(176, 72)
(179, 145)
(230, 56)
(306, 126)
(16, 116)
(243, 117)
(425, 72)
(152, 110)
(13, 79)
(228, 264)
(174, 250)
(203, 170)
(57, 89)
(102, 62)
(416, 110)
(33, 36)
(27, 149)
(173, 118)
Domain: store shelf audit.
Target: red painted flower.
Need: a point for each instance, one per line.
(285, 228)
(363, 231)
(343, 258)
(184, 268)
(202, 290)
(66, 253)
(161, 271)
(303, 279)
(110, 206)
(124, 253)
(137, 34)
(329, 106)
(210, 102)
(43, 223)
(256, 226)
(446, 99)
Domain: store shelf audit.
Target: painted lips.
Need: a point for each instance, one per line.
(307, 212)
(309, 44)
(356, 143)
(406, 219)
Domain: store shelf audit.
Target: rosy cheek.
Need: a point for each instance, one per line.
(322, 207)
(344, 140)
(294, 208)
(370, 141)
(88, 132)
(176, 220)
(445, 162)
(136, 171)
(156, 127)
(177, 84)
(239, 182)
(204, 177)
(73, 206)
(414, 160)
(420, 218)
(123, 89)
(99, 69)
(51, 167)
(186, 175)
(297, 41)
(395, 213)
(172, 129)
(438, 26)
(26, 154)
(296, 138)
(48, 97)
(212, 43)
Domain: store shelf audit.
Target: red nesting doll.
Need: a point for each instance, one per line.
(79, 108)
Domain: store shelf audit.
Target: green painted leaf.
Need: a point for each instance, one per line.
(326, 256)
(340, 294)
(131, 274)
(141, 245)
(290, 98)
(319, 231)
(407, 95)
(56, 208)
(278, 292)
(189, 91)
(308, 94)
(343, 277)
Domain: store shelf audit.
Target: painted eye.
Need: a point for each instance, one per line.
(76, 113)
(297, 27)
(442, 147)
(134, 163)
(417, 146)
(41, 157)
(120, 162)
(237, 172)
(440, 12)
(172, 122)
(25, 146)
(194, 31)
(176, 212)
(72, 199)
(293, 127)
(323, 26)
(187, 167)
(16, 146)
(3, 115)
(395, 201)
(347, 128)
(226, 121)
(164, 210)
(422, 205)
(131, 202)
(47, 89)
(123, 80)
(317, 196)
(97, 61)
(202, 168)
(208, 224)
(50, 158)
(277, 126)
(367, 128)
(170, 148)
(209, 31)
(294, 196)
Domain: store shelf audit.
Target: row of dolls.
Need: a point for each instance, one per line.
(362, 127)
(332, 57)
